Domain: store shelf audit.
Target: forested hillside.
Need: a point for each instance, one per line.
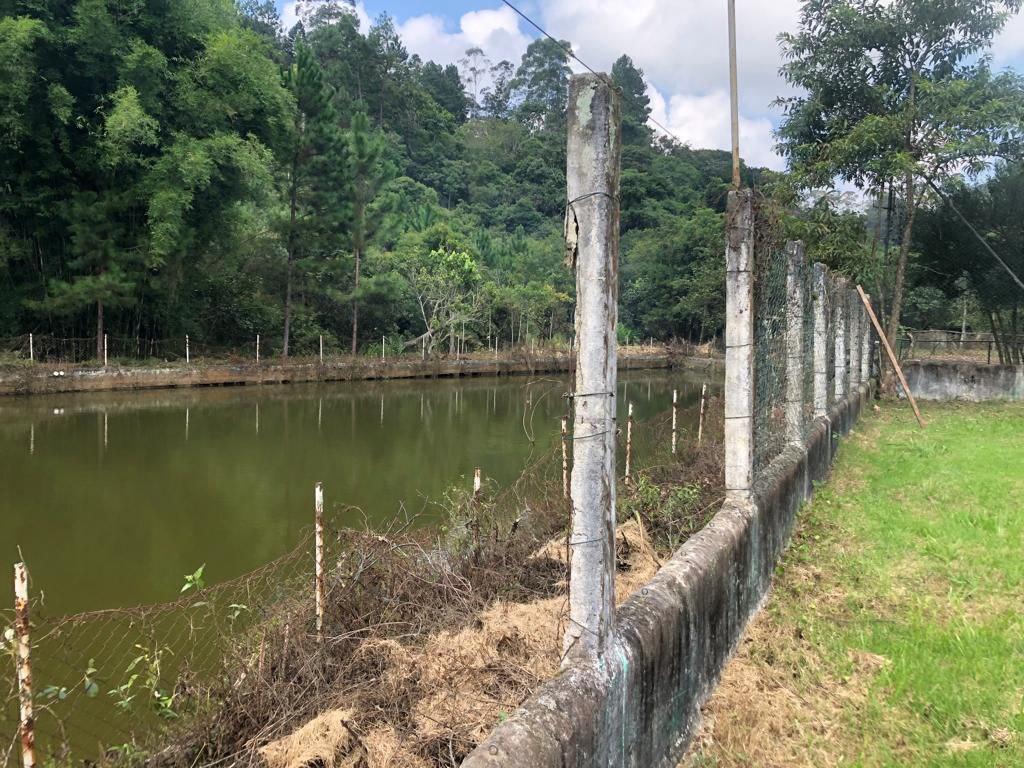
(185, 167)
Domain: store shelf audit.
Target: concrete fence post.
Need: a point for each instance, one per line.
(739, 346)
(31, 349)
(104, 350)
(188, 351)
(321, 349)
(795, 268)
(26, 728)
(257, 348)
(318, 510)
(839, 337)
(592, 245)
(866, 344)
(820, 293)
(856, 312)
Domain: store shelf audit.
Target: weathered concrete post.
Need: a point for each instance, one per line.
(866, 343)
(321, 349)
(23, 660)
(592, 245)
(856, 311)
(820, 290)
(188, 352)
(257, 348)
(795, 268)
(104, 350)
(318, 509)
(839, 337)
(739, 346)
(31, 349)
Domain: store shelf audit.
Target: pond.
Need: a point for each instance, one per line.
(112, 498)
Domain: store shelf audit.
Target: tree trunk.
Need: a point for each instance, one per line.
(355, 304)
(995, 336)
(287, 307)
(889, 379)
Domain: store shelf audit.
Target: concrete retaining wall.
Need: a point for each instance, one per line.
(673, 637)
(43, 379)
(973, 382)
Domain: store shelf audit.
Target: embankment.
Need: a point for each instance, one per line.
(641, 707)
(48, 379)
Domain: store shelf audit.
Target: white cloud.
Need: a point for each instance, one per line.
(1008, 47)
(702, 121)
(681, 46)
(496, 32)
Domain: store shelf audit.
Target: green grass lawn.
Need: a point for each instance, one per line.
(895, 634)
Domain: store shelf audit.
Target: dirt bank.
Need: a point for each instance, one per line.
(52, 378)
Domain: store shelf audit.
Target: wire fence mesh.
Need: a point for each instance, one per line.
(789, 304)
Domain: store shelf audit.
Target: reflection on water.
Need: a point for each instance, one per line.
(112, 497)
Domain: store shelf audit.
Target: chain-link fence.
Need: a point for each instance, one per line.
(809, 327)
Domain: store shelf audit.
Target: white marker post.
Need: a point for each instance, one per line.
(700, 419)
(188, 354)
(31, 349)
(321, 349)
(257, 349)
(23, 660)
(629, 443)
(104, 350)
(318, 509)
(675, 417)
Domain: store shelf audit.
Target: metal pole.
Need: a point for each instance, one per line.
(24, 663)
(594, 154)
(318, 509)
(734, 99)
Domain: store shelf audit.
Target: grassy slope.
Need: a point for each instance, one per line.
(895, 634)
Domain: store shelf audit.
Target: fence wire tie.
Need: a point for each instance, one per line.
(574, 395)
(588, 437)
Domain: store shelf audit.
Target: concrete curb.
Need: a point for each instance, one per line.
(674, 636)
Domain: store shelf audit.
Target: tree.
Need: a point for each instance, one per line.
(541, 82)
(897, 90)
(367, 174)
(315, 174)
(636, 105)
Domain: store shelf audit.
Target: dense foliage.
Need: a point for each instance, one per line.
(188, 167)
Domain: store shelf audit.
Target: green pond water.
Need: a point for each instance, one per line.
(112, 498)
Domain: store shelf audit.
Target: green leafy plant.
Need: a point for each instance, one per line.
(194, 581)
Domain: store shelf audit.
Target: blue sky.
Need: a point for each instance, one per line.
(680, 45)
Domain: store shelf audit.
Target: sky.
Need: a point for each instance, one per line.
(679, 44)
